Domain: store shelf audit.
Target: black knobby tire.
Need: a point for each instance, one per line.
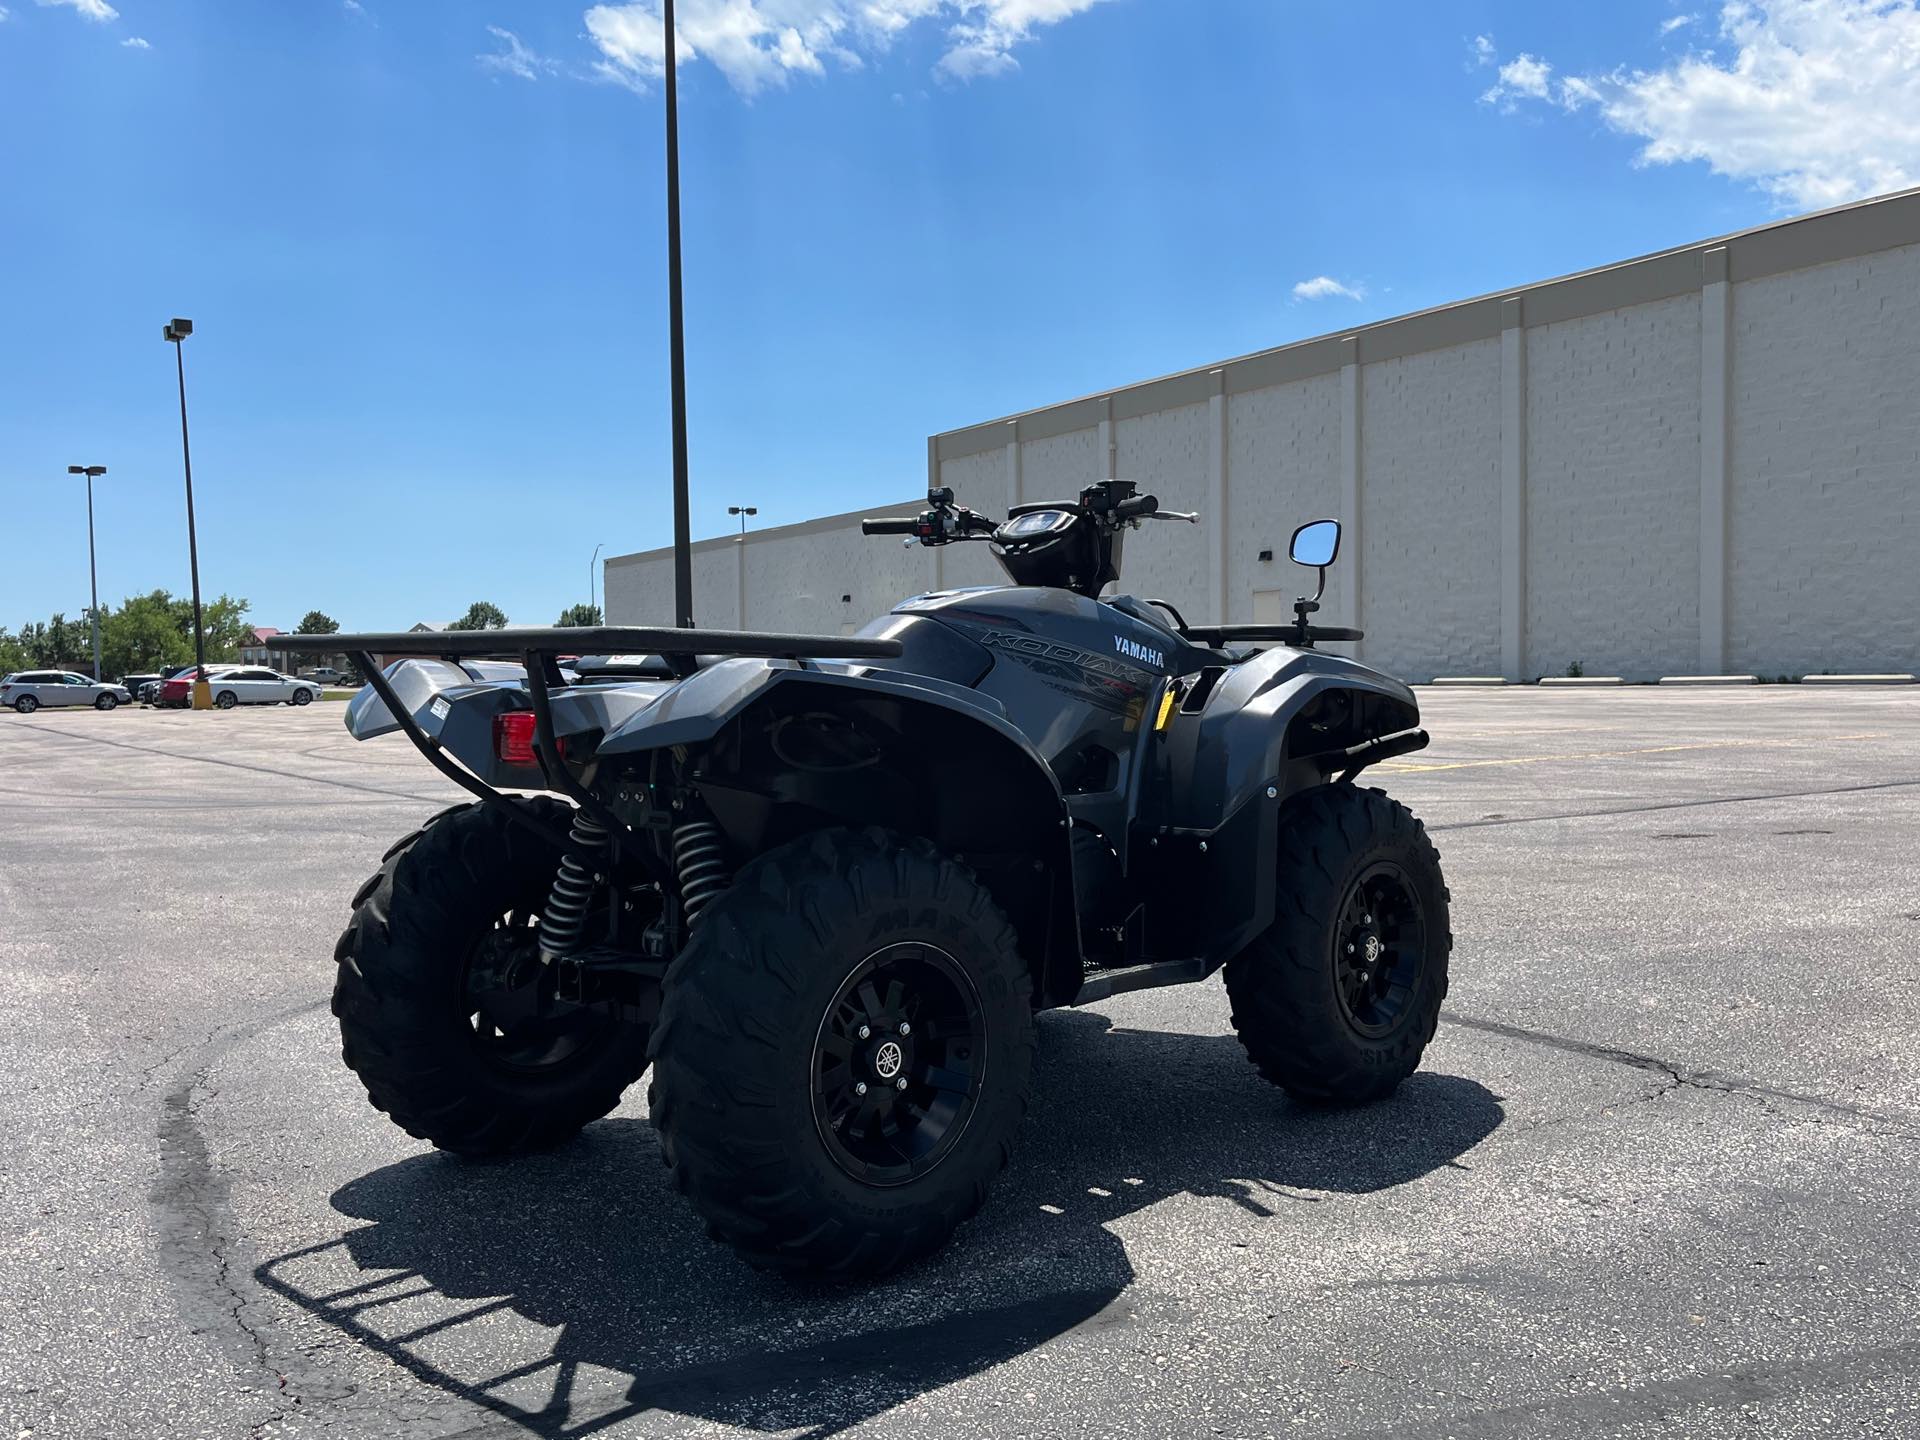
(757, 1052)
(1329, 1023)
(443, 919)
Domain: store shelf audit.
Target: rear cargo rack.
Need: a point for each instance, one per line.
(538, 649)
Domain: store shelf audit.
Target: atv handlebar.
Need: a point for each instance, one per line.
(1138, 506)
(889, 527)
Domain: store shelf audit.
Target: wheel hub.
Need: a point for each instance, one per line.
(1379, 949)
(897, 1063)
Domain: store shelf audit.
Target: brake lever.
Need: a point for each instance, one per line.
(1192, 517)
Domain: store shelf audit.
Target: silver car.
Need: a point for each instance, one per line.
(27, 690)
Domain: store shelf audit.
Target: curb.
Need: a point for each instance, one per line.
(1469, 680)
(1858, 680)
(1580, 680)
(1709, 679)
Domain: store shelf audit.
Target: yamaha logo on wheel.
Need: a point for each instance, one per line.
(887, 1060)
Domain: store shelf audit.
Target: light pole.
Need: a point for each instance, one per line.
(178, 330)
(93, 570)
(677, 347)
(593, 578)
(743, 511)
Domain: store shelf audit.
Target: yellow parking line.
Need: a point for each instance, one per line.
(1410, 767)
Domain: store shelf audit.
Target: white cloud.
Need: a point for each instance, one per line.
(97, 11)
(761, 43)
(1668, 26)
(514, 58)
(135, 42)
(1525, 77)
(1483, 52)
(1815, 101)
(1325, 287)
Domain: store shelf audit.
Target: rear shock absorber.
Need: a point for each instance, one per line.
(700, 861)
(563, 924)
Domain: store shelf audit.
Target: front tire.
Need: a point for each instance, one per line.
(446, 1013)
(302, 697)
(1335, 1002)
(105, 702)
(226, 700)
(843, 1054)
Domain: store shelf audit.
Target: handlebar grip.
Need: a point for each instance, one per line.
(1139, 505)
(890, 527)
(1334, 632)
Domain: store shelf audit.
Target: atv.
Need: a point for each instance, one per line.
(820, 885)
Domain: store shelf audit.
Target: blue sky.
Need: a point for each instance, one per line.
(421, 241)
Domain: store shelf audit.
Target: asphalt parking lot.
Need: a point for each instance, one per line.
(1656, 1177)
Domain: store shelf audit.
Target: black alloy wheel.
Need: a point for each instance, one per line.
(898, 1063)
(1380, 942)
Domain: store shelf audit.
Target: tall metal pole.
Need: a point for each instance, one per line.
(682, 512)
(193, 543)
(593, 577)
(93, 577)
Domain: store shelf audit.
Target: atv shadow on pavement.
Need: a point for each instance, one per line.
(573, 1291)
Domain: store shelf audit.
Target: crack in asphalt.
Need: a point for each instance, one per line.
(1862, 1117)
(194, 1229)
(1497, 821)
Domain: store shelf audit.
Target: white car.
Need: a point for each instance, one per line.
(252, 685)
(27, 690)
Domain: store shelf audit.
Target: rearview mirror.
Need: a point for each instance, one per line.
(1315, 543)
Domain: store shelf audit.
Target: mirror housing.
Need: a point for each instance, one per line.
(1315, 544)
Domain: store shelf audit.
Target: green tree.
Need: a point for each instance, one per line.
(59, 644)
(482, 615)
(577, 615)
(145, 635)
(317, 622)
(226, 627)
(12, 656)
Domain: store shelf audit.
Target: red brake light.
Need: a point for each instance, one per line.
(513, 739)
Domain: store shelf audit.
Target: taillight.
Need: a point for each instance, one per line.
(513, 739)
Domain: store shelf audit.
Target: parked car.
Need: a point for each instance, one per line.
(241, 685)
(149, 693)
(325, 675)
(27, 690)
(134, 684)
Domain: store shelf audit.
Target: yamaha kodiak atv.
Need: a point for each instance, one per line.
(820, 885)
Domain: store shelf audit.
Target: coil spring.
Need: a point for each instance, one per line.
(699, 859)
(563, 924)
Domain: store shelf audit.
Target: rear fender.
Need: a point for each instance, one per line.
(920, 757)
(456, 706)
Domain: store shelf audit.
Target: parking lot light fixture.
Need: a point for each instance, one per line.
(93, 569)
(743, 511)
(177, 330)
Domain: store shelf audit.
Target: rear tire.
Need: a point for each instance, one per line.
(1335, 1002)
(26, 704)
(446, 1014)
(759, 1054)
